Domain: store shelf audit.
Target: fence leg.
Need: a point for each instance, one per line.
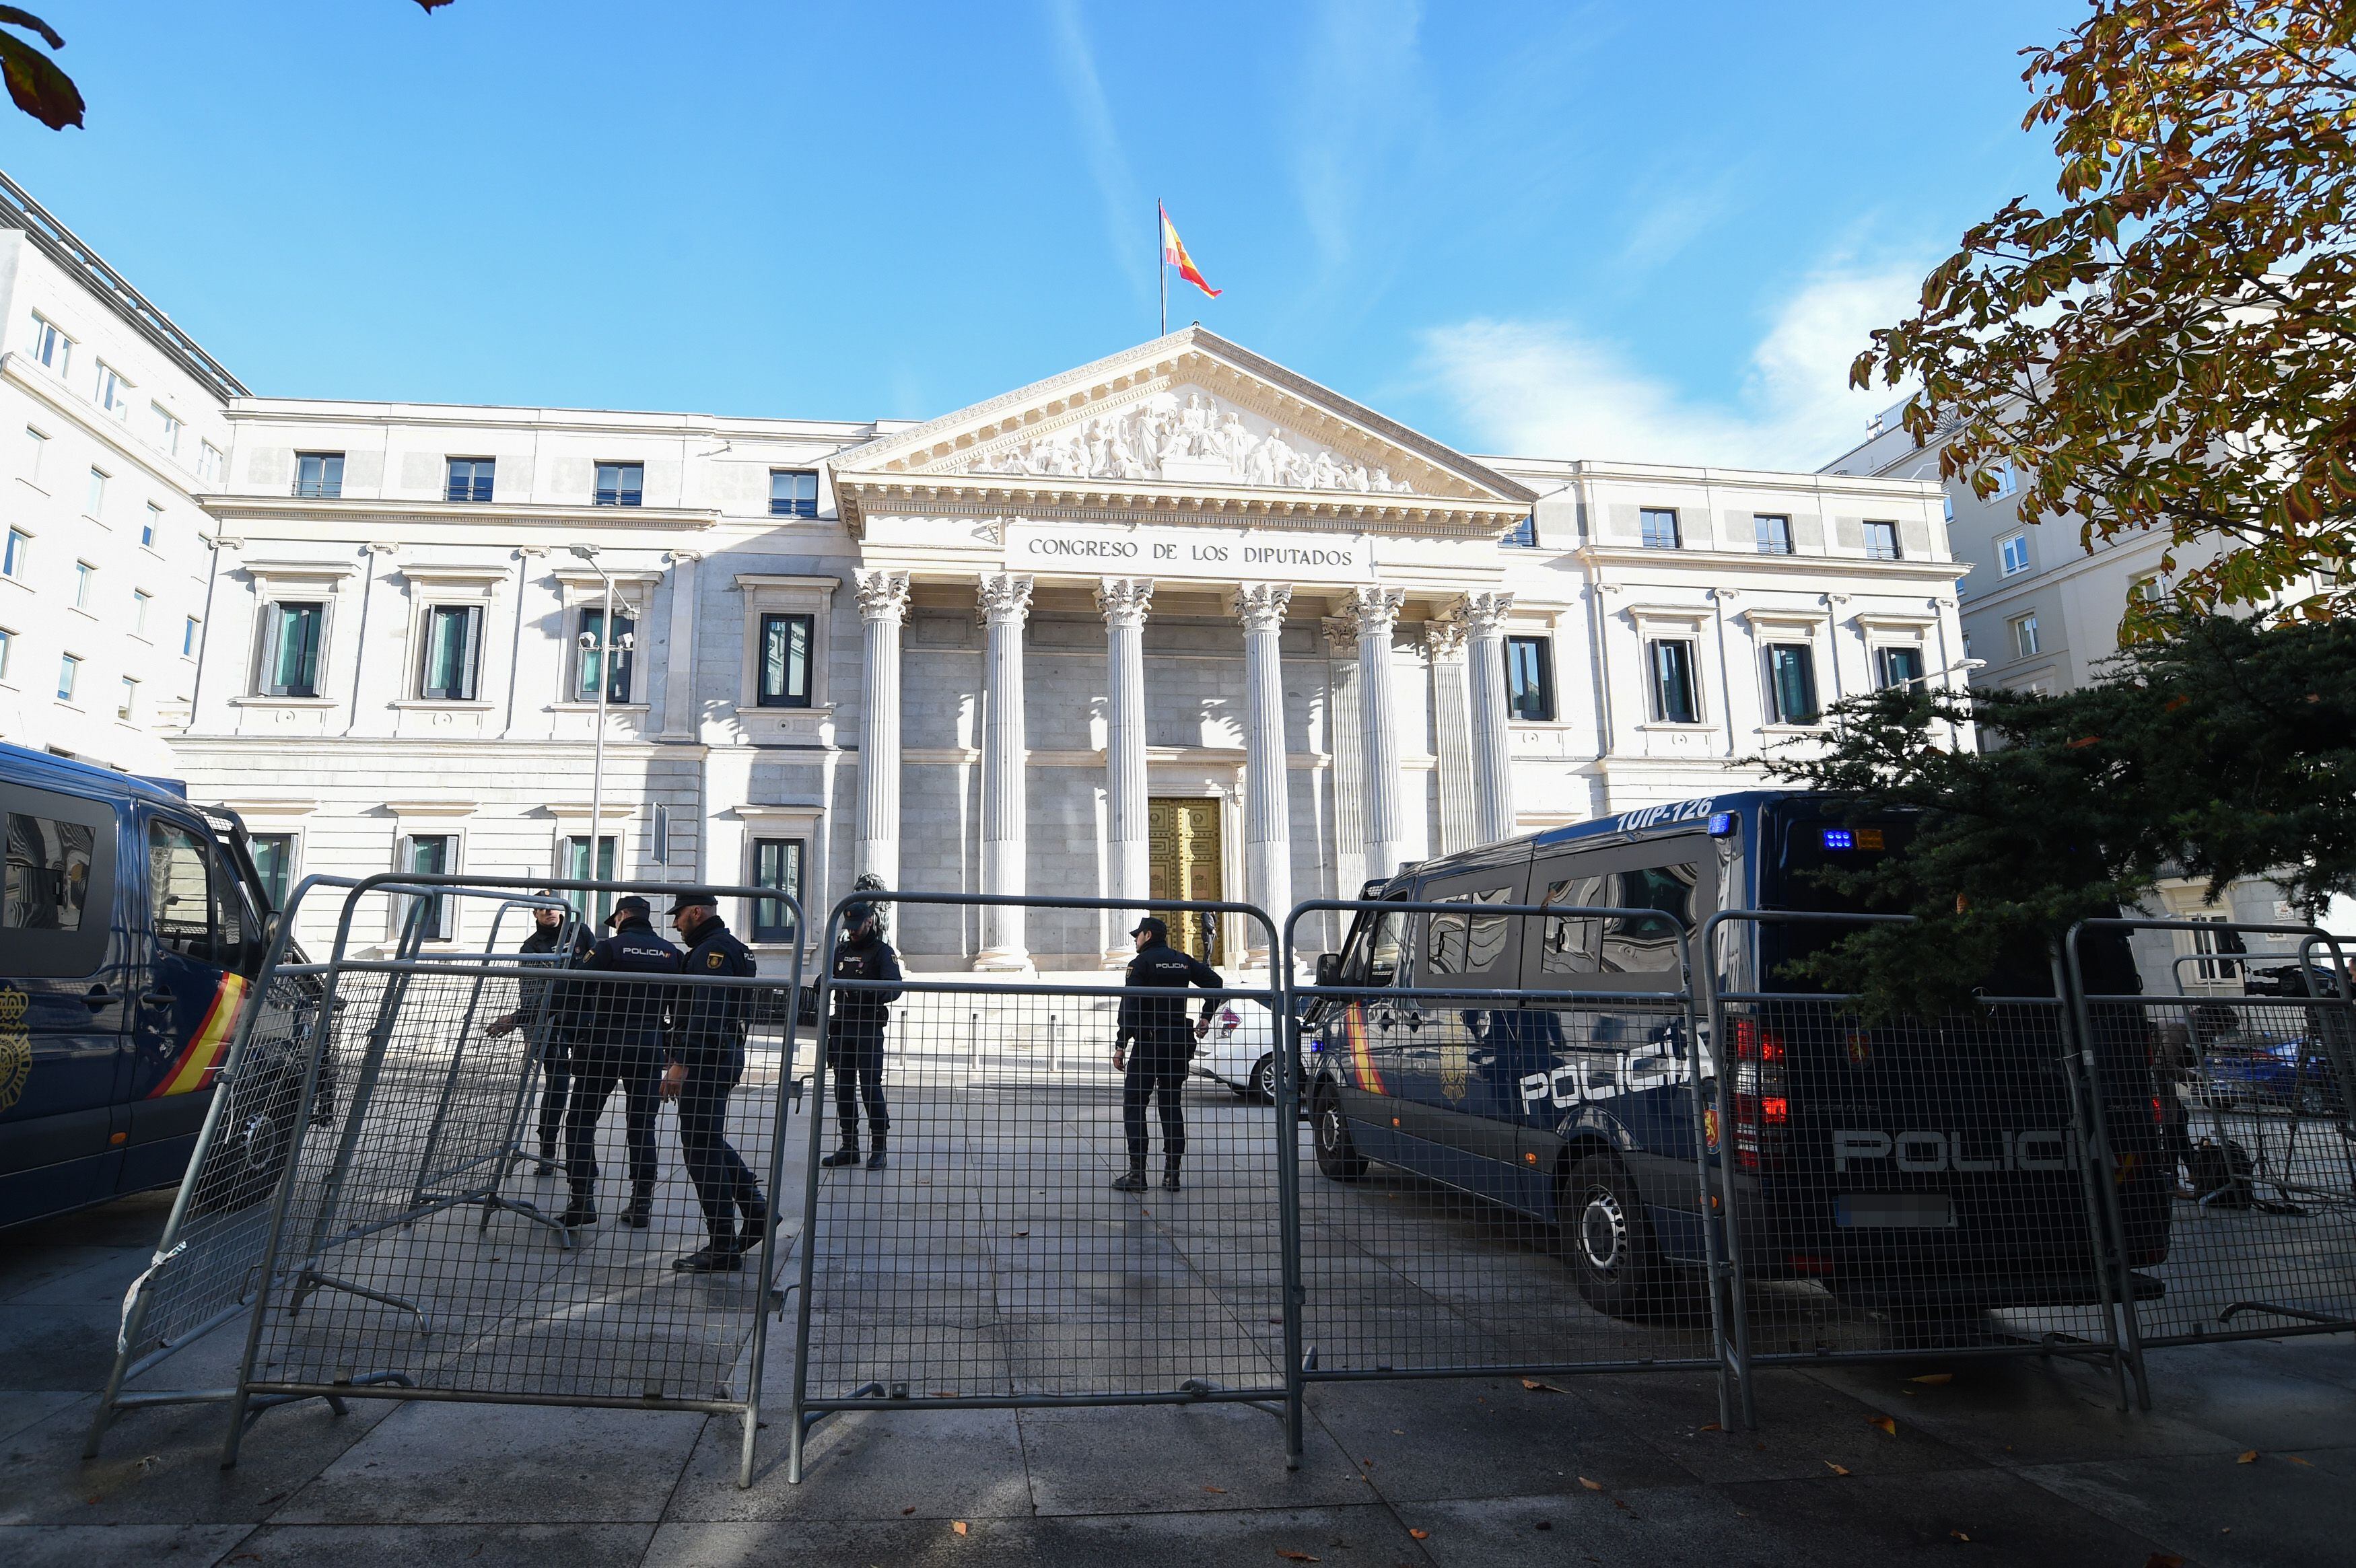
(2104, 1231)
(1288, 1213)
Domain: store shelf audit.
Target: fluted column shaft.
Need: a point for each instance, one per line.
(1267, 807)
(1443, 648)
(882, 609)
(1376, 611)
(1484, 615)
(1125, 601)
(1005, 802)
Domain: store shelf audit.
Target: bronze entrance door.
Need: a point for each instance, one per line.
(1183, 839)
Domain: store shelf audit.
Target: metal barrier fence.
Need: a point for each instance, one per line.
(420, 1243)
(988, 1257)
(2252, 1100)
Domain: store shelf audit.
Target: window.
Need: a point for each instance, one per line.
(1881, 541)
(1620, 944)
(1523, 534)
(208, 463)
(94, 502)
(7, 642)
(1468, 944)
(785, 661)
(114, 391)
(620, 483)
(432, 855)
(577, 870)
(1675, 700)
(1660, 529)
(49, 868)
(140, 599)
(452, 634)
(2012, 554)
(186, 906)
(1383, 954)
(1529, 679)
(149, 530)
(470, 479)
(1791, 683)
(188, 637)
(128, 707)
(20, 554)
(85, 578)
(592, 657)
(1900, 668)
(167, 428)
(1773, 533)
(2024, 635)
(2225, 940)
(53, 349)
(2007, 479)
(273, 858)
(793, 493)
(68, 676)
(319, 475)
(776, 863)
(37, 449)
(290, 648)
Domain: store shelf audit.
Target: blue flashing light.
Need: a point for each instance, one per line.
(1839, 839)
(1721, 824)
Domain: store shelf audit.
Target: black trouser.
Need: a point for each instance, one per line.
(855, 1056)
(723, 1183)
(1155, 1073)
(555, 1078)
(597, 1071)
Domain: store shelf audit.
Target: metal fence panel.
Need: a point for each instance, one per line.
(2250, 1092)
(988, 1259)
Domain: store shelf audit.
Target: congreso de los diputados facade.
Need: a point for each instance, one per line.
(1177, 623)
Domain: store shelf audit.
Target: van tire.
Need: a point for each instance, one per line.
(1337, 1155)
(249, 1152)
(1263, 1080)
(1606, 1241)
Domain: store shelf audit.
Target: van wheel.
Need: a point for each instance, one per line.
(1607, 1239)
(1337, 1156)
(1263, 1078)
(249, 1151)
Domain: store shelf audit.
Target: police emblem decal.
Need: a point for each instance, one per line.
(711, 961)
(1860, 1048)
(1455, 1070)
(16, 1046)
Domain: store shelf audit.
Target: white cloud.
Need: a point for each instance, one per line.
(1115, 183)
(1545, 389)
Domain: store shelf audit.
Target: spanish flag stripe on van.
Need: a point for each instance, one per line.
(1354, 1036)
(200, 1059)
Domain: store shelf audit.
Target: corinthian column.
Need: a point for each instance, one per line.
(1268, 818)
(1005, 601)
(1443, 647)
(1124, 600)
(1377, 612)
(1484, 615)
(883, 609)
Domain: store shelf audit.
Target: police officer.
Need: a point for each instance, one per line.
(854, 1051)
(534, 1012)
(707, 1026)
(1158, 1029)
(617, 1043)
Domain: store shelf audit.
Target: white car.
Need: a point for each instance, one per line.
(1240, 1050)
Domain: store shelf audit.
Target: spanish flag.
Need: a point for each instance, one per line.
(1174, 254)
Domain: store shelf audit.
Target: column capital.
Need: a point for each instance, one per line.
(1444, 639)
(682, 557)
(1376, 610)
(1483, 613)
(883, 596)
(1124, 600)
(1260, 605)
(1340, 633)
(1003, 598)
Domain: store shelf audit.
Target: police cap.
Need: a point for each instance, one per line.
(628, 905)
(1150, 926)
(695, 897)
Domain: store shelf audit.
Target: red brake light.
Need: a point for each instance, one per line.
(1775, 1109)
(2159, 1118)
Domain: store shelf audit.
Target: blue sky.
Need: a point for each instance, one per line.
(1610, 231)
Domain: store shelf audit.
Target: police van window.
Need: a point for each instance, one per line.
(1567, 944)
(1464, 943)
(1638, 946)
(1383, 959)
(179, 903)
(48, 873)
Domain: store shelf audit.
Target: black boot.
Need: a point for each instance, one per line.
(640, 1213)
(1170, 1175)
(847, 1155)
(876, 1161)
(756, 1221)
(548, 1164)
(582, 1210)
(1134, 1181)
(715, 1256)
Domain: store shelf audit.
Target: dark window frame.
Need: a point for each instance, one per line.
(626, 487)
(475, 485)
(1886, 546)
(1886, 655)
(274, 643)
(1648, 522)
(470, 654)
(327, 484)
(783, 857)
(795, 505)
(1523, 704)
(624, 665)
(1771, 532)
(1658, 663)
(783, 696)
(1792, 684)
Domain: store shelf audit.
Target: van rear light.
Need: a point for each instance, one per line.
(1763, 1104)
(2158, 1117)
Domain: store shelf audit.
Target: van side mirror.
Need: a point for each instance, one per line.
(1329, 969)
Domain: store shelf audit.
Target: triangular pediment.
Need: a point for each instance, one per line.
(1186, 415)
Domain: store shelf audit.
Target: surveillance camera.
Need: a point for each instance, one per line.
(589, 640)
(626, 641)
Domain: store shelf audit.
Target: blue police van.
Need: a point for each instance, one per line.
(1909, 1167)
(132, 926)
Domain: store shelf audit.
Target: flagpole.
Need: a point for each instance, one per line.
(1161, 268)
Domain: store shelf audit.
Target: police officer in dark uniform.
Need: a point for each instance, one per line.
(854, 1051)
(535, 1012)
(617, 1043)
(1158, 1029)
(707, 1025)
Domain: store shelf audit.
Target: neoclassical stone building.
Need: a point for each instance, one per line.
(1180, 621)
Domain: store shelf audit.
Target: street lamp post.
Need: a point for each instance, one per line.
(604, 646)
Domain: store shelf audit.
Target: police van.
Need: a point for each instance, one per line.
(1902, 1167)
(132, 929)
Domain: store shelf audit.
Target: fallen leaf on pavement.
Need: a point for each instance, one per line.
(1221, 1490)
(2163, 1560)
(2296, 1460)
(1534, 1386)
(909, 1509)
(957, 1525)
(2249, 1457)
(1590, 1485)
(1836, 1469)
(1294, 1556)
(1886, 1423)
(1959, 1535)
(1713, 1426)
(1418, 1534)
(940, 1393)
(1934, 1377)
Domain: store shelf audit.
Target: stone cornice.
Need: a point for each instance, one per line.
(305, 508)
(994, 497)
